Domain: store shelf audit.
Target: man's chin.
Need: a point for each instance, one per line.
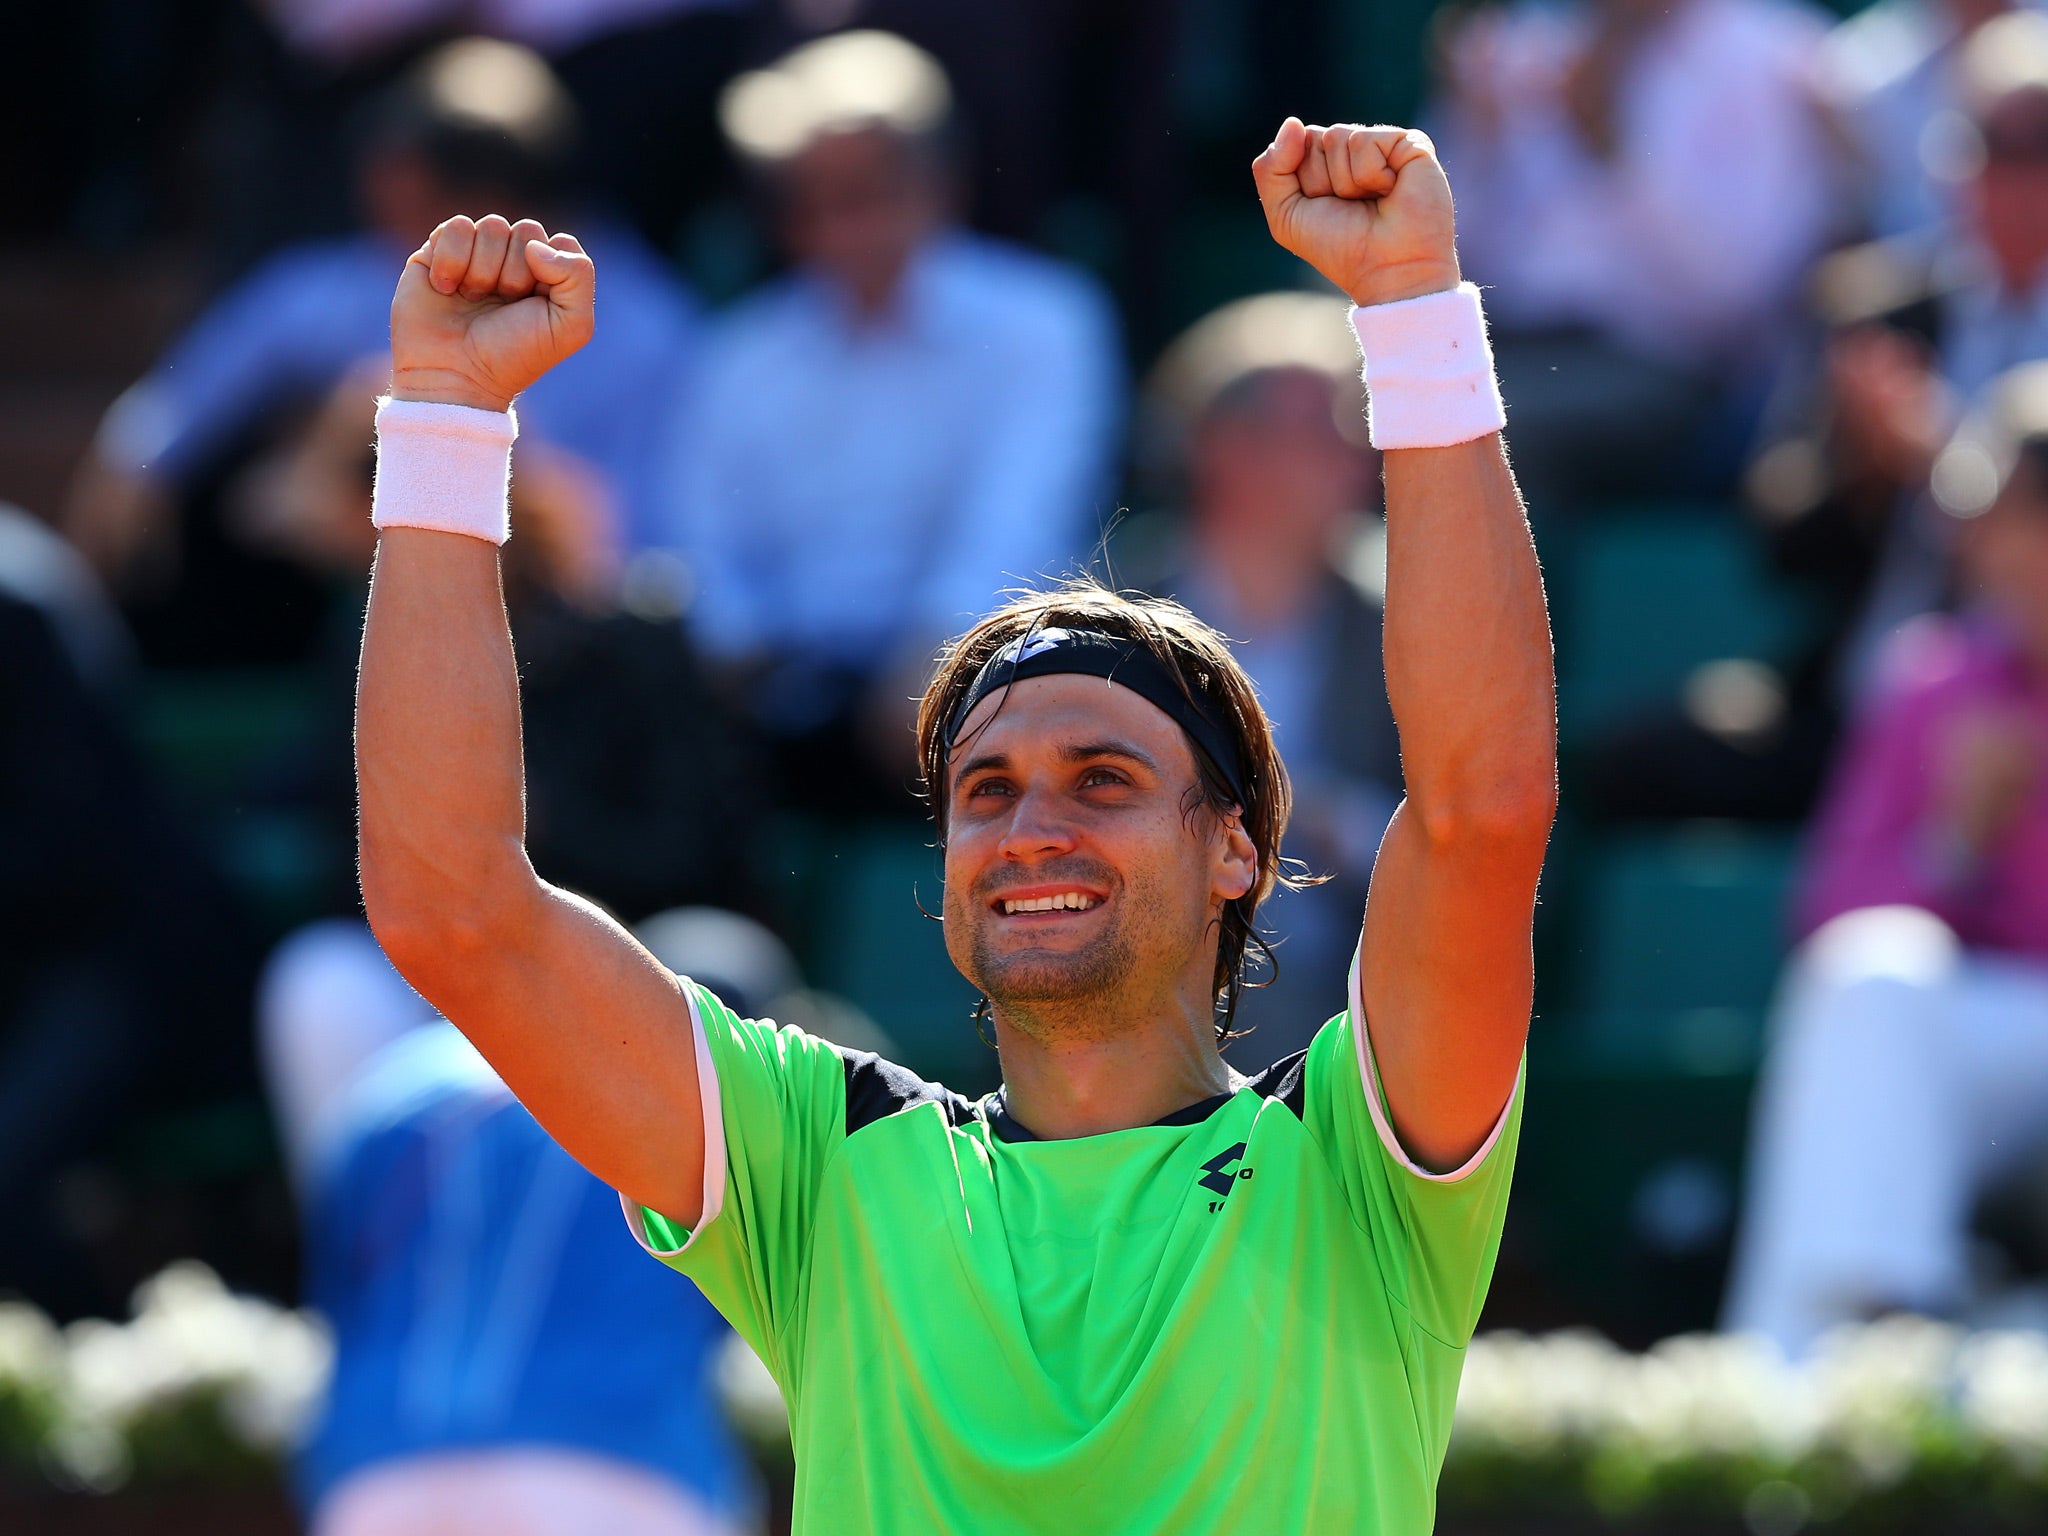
(1037, 979)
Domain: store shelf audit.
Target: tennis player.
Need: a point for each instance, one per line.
(1132, 1291)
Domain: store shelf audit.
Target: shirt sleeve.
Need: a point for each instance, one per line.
(774, 1102)
(1437, 1233)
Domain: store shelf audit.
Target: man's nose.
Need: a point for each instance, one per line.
(1039, 826)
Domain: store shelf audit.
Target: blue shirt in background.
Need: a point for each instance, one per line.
(483, 1293)
(846, 486)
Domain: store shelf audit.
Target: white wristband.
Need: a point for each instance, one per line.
(1428, 370)
(444, 467)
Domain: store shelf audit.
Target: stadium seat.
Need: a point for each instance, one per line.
(208, 731)
(210, 736)
(1642, 1067)
(1681, 935)
(1651, 594)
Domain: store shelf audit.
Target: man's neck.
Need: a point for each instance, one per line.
(877, 296)
(1059, 1083)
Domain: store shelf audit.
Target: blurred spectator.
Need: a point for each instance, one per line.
(505, 1360)
(1978, 293)
(1915, 328)
(40, 568)
(640, 791)
(1889, 72)
(344, 30)
(1064, 100)
(1845, 502)
(477, 126)
(1910, 1062)
(121, 971)
(881, 441)
(644, 74)
(1280, 554)
(1638, 277)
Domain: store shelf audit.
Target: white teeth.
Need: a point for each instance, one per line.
(1073, 901)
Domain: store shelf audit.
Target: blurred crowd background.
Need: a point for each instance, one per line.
(903, 303)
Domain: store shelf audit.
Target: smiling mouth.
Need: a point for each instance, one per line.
(1063, 901)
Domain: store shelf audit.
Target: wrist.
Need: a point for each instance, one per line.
(1406, 280)
(1428, 370)
(441, 386)
(444, 466)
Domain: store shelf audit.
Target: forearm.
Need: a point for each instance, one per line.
(1445, 967)
(441, 815)
(1468, 643)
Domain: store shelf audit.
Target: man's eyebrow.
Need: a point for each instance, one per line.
(1081, 752)
(988, 761)
(1071, 752)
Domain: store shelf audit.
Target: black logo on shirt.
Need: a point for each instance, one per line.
(1219, 1179)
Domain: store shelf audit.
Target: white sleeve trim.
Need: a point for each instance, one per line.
(711, 1110)
(1369, 1077)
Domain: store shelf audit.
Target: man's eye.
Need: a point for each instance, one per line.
(1099, 776)
(987, 787)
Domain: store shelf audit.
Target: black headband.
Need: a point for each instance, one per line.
(1128, 663)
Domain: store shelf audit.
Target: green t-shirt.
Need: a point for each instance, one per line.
(1247, 1318)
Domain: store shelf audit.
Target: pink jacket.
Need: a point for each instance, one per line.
(1875, 842)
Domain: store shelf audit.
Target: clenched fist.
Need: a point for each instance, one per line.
(484, 308)
(1369, 208)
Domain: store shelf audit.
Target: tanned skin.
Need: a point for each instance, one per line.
(1103, 1015)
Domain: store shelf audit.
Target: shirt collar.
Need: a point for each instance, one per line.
(1008, 1128)
(916, 309)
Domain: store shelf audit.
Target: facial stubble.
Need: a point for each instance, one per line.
(1069, 993)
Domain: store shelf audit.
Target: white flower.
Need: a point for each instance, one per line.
(1878, 1389)
(1714, 1395)
(191, 1337)
(1535, 1396)
(31, 1349)
(2002, 1392)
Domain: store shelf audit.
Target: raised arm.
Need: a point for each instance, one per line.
(1445, 964)
(585, 1026)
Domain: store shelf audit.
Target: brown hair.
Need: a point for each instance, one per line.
(1200, 658)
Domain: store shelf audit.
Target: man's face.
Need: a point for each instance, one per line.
(1074, 869)
(857, 205)
(1280, 462)
(2010, 195)
(400, 197)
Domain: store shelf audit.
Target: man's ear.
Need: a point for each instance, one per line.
(1237, 859)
